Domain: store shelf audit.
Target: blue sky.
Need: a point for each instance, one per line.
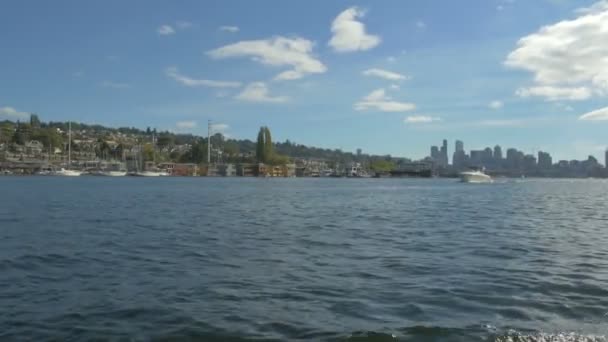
(390, 77)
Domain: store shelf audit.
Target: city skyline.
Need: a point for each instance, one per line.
(513, 162)
(442, 157)
(389, 78)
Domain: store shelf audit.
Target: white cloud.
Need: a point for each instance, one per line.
(258, 92)
(596, 115)
(495, 104)
(13, 114)
(387, 75)
(378, 100)
(115, 85)
(417, 119)
(183, 25)
(349, 34)
(391, 59)
(551, 93)
(502, 123)
(421, 25)
(173, 73)
(232, 29)
(568, 58)
(597, 7)
(219, 127)
(394, 87)
(277, 51)
(165, 30)
(186, 124)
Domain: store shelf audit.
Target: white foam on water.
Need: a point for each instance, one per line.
(545, 337)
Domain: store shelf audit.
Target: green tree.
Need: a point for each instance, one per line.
(48, 137)
(6, 132)
(34, 121)
(22, 133)
(197, 153)
(264, 149)
(148, 152)
(268, 148)
(277, 159)
(382, 165)
(165, 140)
(103, 150)
(259, 149)
(231, 149)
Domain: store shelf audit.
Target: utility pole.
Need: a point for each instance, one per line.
(209, 143)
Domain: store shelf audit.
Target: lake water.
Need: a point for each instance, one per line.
(302, 259)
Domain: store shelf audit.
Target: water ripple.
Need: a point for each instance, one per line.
(182, 259)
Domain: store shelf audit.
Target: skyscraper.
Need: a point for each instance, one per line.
(497, 153)
(434, 153)
(487, 156)
(442, 157)
(544, 160)
(513, 159)
(606, 160)
(444, 153)
(460, 146)
(459, 157)
(529, 162)
(477, 158)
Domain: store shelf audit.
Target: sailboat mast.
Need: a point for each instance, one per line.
(209, 143)
(69, 144)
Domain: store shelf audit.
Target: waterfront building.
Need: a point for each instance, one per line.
(227, 170)
(213, 170)
(545, 162)
(529, 162)
(247, 170)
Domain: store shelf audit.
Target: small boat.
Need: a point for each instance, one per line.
(475, 176)
(66, 173)
(150, 174)
(107, 173)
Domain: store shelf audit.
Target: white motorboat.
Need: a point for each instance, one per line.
(150, 174)
(66, 173)
(475, 176)
(107, 173)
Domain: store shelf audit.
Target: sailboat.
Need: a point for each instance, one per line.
(154, 172)
(115, 169)
(67, 172)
